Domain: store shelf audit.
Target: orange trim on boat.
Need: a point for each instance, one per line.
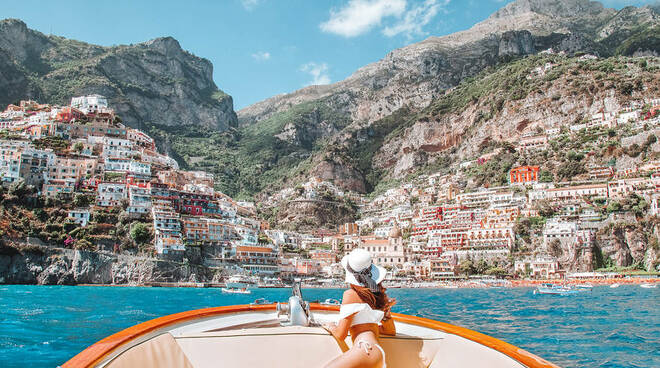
(94, 354)
(97, 352)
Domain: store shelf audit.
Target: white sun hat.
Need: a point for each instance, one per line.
(358, 261)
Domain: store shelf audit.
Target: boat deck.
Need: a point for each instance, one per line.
(256, 338)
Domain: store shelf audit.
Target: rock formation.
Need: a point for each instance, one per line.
(151, 82)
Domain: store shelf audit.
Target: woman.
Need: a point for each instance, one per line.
(364, 306)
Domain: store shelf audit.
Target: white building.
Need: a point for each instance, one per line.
(654, 209)
(117, 164)
(541, 267)
(139, 200)
(626, 117)
(10, 159)
(139, 168)
(562, 230)
(90, 104)
(167, 228)
(574, 192)
(117, 148)
(110, 194)
(140, 138)
(622, 187)
(80, 216)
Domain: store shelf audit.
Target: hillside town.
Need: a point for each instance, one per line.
(437, 227)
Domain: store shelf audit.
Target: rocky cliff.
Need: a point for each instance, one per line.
(151, 82)
(55, 266)
(628, 243)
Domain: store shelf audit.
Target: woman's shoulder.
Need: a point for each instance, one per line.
(350, 297)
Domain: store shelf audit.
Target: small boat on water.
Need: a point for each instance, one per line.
(613, 286)
(260, 301)
(331, 301)
(239, 282)
(648, 286)
(289, 334)
(553, 289)
(236, 291)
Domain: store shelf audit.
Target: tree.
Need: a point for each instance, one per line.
(481, 267)
(84, 244)
(546, 176)
(570, 169)
(497, 271)
(264, 239)
(19, 188)
(78, 147)
(545, 209)
(613, 207)
(81, 200)
(140, 232)
(554, 248)
(466, 267)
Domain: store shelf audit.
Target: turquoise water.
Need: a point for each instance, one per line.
(43, 326)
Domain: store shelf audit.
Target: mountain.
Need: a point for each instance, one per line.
(151, 82)
(312, 131)
(416, 73)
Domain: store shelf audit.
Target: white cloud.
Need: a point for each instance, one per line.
(414, 20)
(359, 16)
(261, 56)
(250, 4)
(319, 73)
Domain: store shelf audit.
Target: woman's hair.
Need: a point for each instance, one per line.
(377, 300)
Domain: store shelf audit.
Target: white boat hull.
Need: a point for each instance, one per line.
(236, 291)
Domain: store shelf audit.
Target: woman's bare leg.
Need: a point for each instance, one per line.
(356, 357)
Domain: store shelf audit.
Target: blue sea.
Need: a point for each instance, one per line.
(44, 326)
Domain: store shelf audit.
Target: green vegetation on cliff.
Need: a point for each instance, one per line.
(250, 159)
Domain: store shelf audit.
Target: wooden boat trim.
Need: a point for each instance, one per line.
(96, 353)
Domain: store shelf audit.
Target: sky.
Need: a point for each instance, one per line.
(260, 48)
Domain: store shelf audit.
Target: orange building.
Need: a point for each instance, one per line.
(257, 259)
(325, 256)
(524, 175)
(349, 228)
(68, 114)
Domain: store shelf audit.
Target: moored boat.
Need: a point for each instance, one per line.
(238, 282)
(648, 286)
(614, 286)
(553, 289)
(289, 335)
(232, 290)
(330, 301)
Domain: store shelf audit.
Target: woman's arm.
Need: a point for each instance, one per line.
(387, 324)
(340, 330)
(387, 327)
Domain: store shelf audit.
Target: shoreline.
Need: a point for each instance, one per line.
(457, 285)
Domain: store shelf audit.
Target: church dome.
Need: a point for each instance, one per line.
(396, 231)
